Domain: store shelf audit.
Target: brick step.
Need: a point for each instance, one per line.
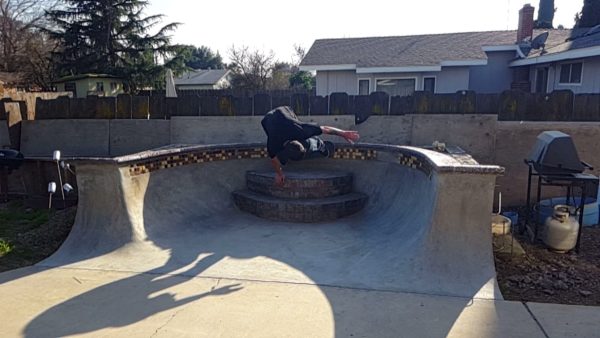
(301, 185)
(299, 210)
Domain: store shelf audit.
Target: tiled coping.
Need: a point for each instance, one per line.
(178, 155)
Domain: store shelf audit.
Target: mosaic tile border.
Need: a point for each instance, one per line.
(354, 154)
(415, 162)
(173, 161)
(179, 155)
(195, 158)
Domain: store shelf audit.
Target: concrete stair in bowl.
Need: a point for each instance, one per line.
(306, 197)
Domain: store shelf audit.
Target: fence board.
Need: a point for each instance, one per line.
(339, 104)
(318, 105)
(124, 106)
(586, 107)
(262, 104)
(140, 107)
(299, 104)
(242, 106)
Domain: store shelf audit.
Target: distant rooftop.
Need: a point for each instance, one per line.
(85, 76)
(201, 77)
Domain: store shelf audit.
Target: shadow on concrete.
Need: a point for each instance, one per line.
(120, 303)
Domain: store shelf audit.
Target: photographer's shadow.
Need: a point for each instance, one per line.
(121, 303)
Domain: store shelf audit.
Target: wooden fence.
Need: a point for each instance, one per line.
(509, 105)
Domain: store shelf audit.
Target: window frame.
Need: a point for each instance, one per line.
(547, 84)
(102, 86)
(358, 85)
(570, 64)
(434, 84)
(397, 78)
(74, 91)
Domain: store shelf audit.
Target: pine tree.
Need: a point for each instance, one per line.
(590, 14)
(111, 37)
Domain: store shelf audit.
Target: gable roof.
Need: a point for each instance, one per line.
(426, 51)
(201, 77)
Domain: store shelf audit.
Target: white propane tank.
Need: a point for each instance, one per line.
(560, 230)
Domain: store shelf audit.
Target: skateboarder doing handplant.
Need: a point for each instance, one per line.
(288, 138)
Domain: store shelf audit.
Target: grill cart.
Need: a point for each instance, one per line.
(555, 162)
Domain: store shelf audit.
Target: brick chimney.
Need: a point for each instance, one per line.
(525, 23)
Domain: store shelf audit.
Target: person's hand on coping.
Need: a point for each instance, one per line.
(351, 136)
(279, 179)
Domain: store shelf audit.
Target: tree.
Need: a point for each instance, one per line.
(590, 14)
(300, 79)
(23, 47)
(112, 37)
(251, 68)
(280, 76)
(203, 58)
(545, 15)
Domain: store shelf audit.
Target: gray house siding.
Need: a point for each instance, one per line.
(449, 80)
(452, 79)
(494, 77)
(336, 81)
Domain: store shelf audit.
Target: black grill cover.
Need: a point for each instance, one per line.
(555, 153)
(10, 158)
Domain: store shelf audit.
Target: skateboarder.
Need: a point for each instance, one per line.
(288, 138)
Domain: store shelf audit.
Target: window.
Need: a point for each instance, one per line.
(429, 84)
(113, 86)
(99, 86)
(541, 80)
(396, 87)
(570, 73)
(363, 87)
(71, 87)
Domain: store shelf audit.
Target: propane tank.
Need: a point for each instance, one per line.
(560, 230)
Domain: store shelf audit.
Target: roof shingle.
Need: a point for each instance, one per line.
(424, 50)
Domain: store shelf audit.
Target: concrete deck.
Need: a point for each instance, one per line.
(166, 253)
(61, 302)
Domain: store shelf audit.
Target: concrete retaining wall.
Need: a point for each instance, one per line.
(132, 136)
(71, 137)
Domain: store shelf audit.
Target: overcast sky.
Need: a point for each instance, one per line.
(278, 25)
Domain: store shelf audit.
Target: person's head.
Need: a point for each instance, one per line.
(293, 150)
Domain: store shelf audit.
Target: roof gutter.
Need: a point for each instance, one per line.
(308, 68)
(404, 69)
(568, 55)
(407, 69)
(504, 48)
(463, 63)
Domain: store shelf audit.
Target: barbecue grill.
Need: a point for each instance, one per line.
(554, 153)
(554, 160)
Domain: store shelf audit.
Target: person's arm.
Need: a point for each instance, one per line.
(279, 177)
(349, 135)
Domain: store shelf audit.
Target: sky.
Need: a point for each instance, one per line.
(279, 25)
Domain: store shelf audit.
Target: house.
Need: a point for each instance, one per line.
(199, 79)
(485, 62)
(91, 84)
